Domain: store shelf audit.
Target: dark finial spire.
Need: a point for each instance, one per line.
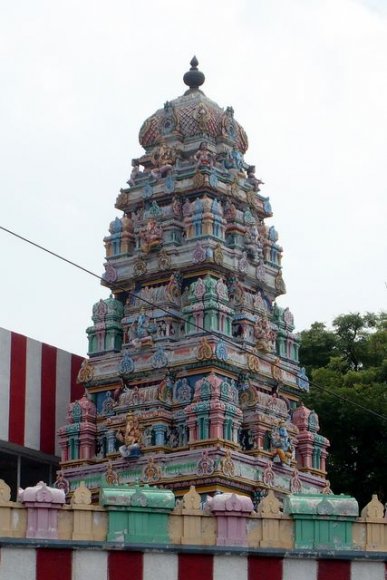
(194, 78)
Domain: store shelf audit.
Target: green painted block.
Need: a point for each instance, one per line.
(321, 521)
(138, 514)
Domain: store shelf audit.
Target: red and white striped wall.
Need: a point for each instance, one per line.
(37, 382)
(68, 564)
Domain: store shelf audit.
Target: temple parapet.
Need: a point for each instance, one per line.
(144, 515)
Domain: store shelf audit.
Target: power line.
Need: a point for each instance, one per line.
(198, 326)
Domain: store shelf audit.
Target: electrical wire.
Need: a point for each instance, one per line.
(198, 326)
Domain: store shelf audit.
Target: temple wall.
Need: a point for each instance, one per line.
(74, 562)
(37, 382)
(142, 532)
(139, 515)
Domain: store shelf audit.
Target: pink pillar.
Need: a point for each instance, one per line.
(324, 454)
(63, 443)
(259, 435)
(192, 428)
(305, 448)
(231, 512)
(216, 430)
(43, 504)
(87, 441)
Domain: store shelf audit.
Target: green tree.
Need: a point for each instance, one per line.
(349, 384)
(352, 337)
(317, 346)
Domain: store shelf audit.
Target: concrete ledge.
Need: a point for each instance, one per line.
(186, 549)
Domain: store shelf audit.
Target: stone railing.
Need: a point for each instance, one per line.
(142, 515)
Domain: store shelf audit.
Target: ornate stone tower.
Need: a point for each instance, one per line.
(193, 375)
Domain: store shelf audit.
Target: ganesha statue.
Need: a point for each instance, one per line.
(130, 437)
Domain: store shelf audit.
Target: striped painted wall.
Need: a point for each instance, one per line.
(66, 564)
(37, 381)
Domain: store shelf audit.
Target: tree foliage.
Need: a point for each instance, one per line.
(348, 370)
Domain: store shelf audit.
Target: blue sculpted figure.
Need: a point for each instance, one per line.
(238, 159)
(142, 324)
(281, 444)
(273, 234)
(302, 380)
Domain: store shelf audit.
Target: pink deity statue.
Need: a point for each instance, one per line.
(151, 236)
(203, 156)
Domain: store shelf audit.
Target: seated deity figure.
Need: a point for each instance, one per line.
(164, 158)
(203, 156)
(141, 330)
(151, 236)
(234, 160)
(281, 445)
(130, 436)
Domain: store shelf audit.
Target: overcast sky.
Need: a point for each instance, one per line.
(307, 80)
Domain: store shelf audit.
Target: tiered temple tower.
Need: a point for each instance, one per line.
(193, 374)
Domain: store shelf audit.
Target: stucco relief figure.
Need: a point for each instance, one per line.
(279, 283)
(252, 179)
(177, 208)
(165, 389)
(230, 211)
(111, 476)
(228, 123)
(173, 288)
(281, 444)
(134, 173)
(170, 121)
(130, 436)
(264, 335)
(202, 117)
(151, 236)
(203, 156)
(252, 234)
(234, 160)
(163, 158)
(142, 329)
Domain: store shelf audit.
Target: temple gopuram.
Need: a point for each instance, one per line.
(193, 375)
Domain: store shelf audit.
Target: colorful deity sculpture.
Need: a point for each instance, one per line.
(204, 156)
(151, 236)
(164, 158)
(282, 447)
(264, 334)
(130, 436)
